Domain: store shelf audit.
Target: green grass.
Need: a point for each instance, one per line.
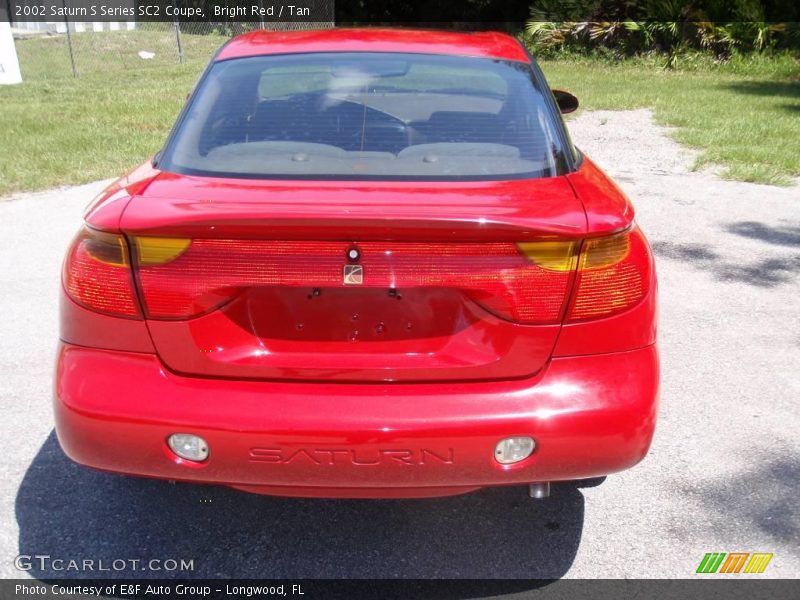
(744, 115)
(111, 51)
(60, 130)
(75, 131)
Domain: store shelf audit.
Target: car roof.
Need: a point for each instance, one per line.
(487, 44)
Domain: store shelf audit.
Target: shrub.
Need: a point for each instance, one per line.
(672, 27)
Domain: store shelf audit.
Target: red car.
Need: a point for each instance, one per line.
(366, 263)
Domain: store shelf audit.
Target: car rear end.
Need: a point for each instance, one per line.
(379, 317)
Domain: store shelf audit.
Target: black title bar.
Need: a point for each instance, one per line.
(208, 11)
(443, 13)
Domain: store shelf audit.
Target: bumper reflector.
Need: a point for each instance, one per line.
(188, 446)
(514, 449)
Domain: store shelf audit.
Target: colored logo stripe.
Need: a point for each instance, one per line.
(734, 562)
(758, 562)
(711, 562)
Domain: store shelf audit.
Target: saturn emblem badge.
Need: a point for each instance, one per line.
(353, 274)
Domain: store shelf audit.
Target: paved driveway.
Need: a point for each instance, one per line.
(722, 475)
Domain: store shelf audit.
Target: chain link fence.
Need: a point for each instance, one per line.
(78, 49)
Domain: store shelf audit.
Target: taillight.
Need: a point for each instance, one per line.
(159, 250)
(525, 283)
(613, 275)
(97, 274)
(534, 293)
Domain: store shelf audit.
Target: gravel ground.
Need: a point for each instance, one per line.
(722, 475)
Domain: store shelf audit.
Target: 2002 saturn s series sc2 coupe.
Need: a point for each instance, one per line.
(367, 263)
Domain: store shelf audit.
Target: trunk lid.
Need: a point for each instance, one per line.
(252, 279)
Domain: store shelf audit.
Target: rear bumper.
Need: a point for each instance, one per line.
(590, 416)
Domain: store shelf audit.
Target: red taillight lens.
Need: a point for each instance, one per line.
(97, 274)
(526, 283)
(613, 275)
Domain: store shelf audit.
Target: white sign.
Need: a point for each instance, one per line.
(9, 65)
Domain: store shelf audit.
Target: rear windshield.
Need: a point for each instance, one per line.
(368, 116)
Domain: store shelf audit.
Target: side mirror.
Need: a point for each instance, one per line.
(567, 103)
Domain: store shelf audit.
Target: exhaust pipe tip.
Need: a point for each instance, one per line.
(539, 490)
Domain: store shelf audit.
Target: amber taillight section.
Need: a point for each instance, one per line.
(97, 274)
(525, 283)
(613, 275)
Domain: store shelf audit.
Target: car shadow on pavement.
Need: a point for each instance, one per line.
(765, 273)
(761, 499)
(71, 512)
(783, 235)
